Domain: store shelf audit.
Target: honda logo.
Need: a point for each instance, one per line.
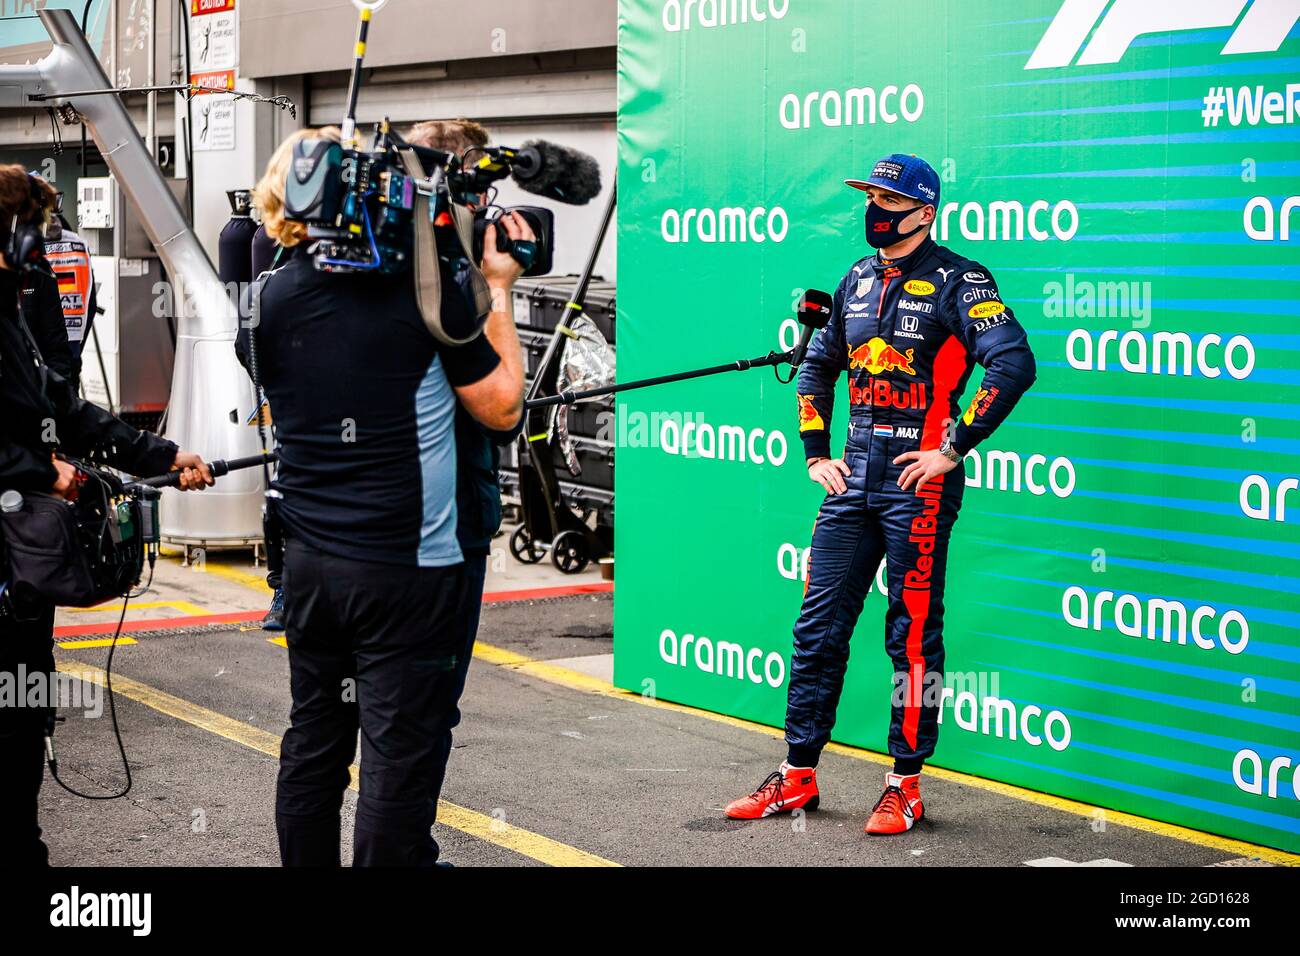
(908, 322)
(1263, 28)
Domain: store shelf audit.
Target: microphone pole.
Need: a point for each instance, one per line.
(814, 312)
(568, 396)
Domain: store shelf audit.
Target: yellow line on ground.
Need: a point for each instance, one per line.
(563, 676)
(492, 830)
(222, 570)
(184, 606)
(96, 642)
(283, 642)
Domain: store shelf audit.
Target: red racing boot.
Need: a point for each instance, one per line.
(789, 788)
(899, 807)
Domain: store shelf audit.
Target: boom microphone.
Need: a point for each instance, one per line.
(814, 312)
(557, 172)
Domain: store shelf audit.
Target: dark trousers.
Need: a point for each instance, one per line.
(475, 576)
(849, 539)
(29, 646)
(371, 647)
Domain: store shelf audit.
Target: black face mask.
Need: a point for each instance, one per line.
(882, 225)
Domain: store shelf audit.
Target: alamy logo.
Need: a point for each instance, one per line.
(74, 909)
(1262, 30)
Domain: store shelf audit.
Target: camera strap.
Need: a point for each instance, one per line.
(428, 278)
(42, 370)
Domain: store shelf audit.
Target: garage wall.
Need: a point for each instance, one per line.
(306, 36)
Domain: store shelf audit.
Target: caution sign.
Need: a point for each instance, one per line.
(213, 36)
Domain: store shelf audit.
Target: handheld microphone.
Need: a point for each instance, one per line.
(556, 172)
(814, 312)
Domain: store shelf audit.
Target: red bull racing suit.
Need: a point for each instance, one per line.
(908, 333)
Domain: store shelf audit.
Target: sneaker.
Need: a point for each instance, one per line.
(274, 620)
(789, 788)
(899, 807)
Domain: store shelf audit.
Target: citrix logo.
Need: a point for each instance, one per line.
(1262, 30)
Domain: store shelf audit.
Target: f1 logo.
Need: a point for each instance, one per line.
(908, 323)
(1262, 30)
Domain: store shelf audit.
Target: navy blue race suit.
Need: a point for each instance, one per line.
(908, 333)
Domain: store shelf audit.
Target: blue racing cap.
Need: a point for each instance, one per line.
(909, 175)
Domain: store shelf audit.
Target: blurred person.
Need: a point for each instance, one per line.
(41, 296)
(478, 458)
(69, 256)
(41, 419)
(908, 325)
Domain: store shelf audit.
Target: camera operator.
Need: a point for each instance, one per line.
(41, 416)
(478, 489)
(374, 578)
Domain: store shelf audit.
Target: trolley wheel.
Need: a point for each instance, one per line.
(523, 547)
(569, 552)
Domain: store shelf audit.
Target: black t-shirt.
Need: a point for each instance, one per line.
(363, 408)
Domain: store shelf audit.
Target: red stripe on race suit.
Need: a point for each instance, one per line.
(949, 366)
(807, 578)
(884, 287)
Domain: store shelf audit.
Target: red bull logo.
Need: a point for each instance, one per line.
(809, 419)
(882, 393)
(979, 404)
(878, 356)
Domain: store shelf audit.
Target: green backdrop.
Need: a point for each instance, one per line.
(1122, 621)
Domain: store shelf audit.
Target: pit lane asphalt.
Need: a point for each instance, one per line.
(628, 782)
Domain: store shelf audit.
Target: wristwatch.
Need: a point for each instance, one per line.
(946, 449)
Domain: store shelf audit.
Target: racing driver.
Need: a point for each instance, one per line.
(907, 325)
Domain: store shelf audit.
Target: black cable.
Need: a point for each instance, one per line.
(148, 585)
(53, 761)
(56, 137)
(106, 491)
(254, 370)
